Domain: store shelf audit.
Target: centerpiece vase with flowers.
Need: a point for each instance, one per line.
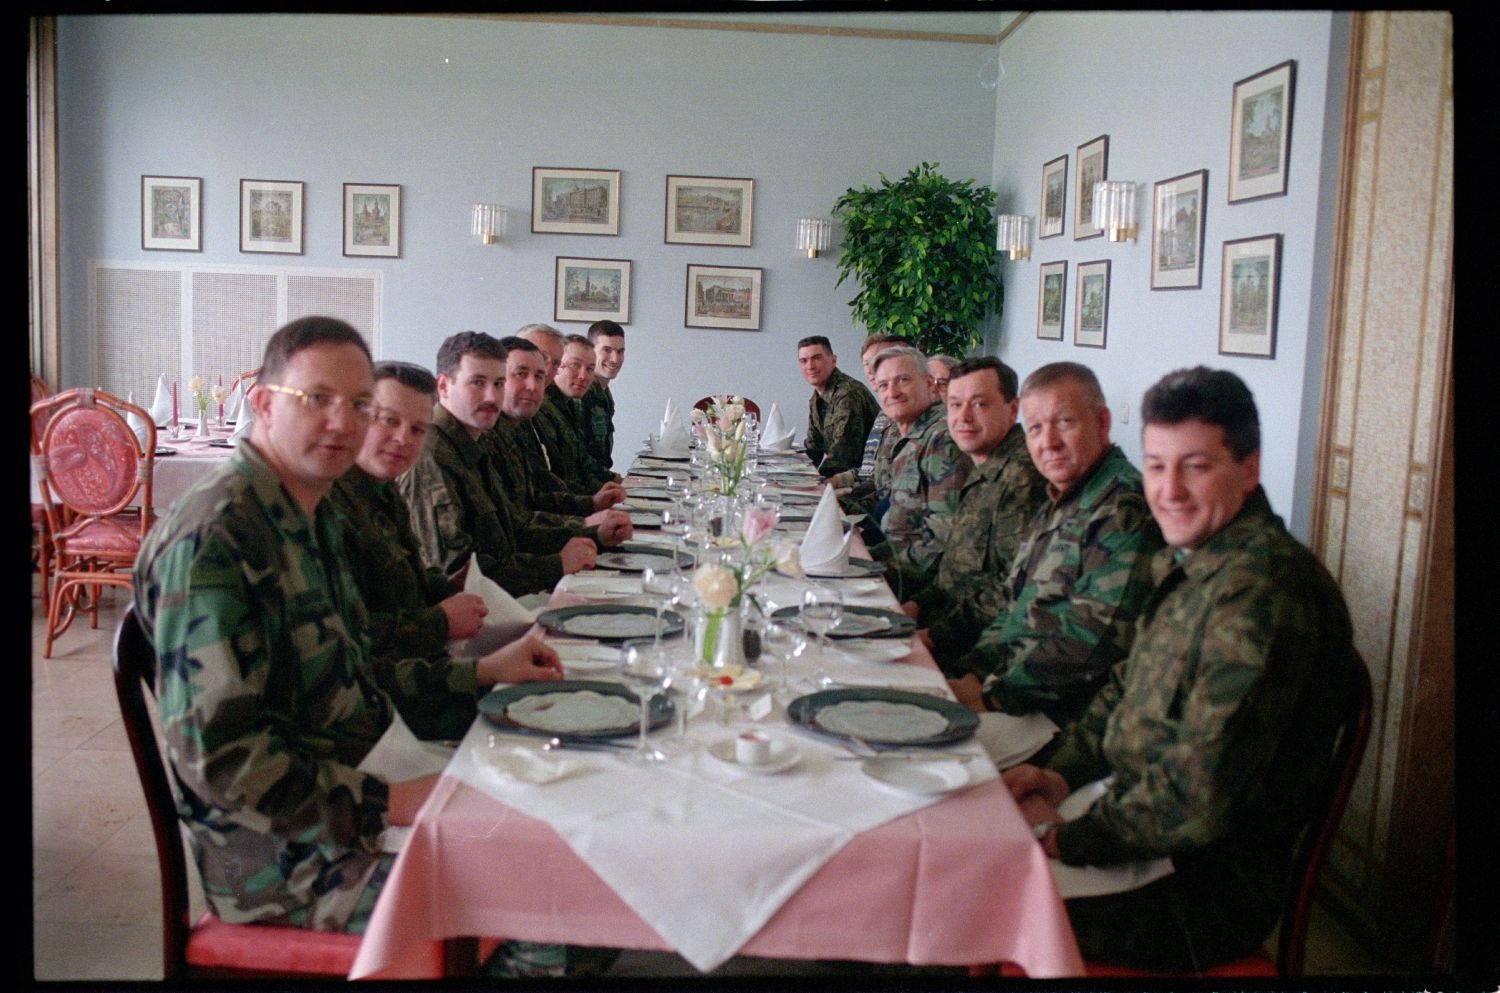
(722, 426)
(200, 400)
(724, 587)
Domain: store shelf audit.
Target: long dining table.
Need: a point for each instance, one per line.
(696, 857)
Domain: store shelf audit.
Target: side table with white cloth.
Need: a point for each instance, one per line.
(697, 855)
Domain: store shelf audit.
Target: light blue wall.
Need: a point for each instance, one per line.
(1159, 84)
(459, 110)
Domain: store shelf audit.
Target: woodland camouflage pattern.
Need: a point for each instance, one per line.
(968, 588)
(265, 698)
(1218, 729)
(459, 507)
(1075, 590)
(560, 421)
(599, 423)
(408, 631)
(838, 420)
(927, 471)
(516, 453)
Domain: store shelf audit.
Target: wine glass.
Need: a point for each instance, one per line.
(784, 640)
(691, 683)
(649, 674)
(673, 519)
(822, 609)
(657, 584)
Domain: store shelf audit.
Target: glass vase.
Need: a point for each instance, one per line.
(719, 641)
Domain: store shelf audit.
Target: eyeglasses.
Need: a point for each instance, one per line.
(319, 402)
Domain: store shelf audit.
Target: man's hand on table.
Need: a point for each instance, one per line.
(465, 613)
(608, 495)
(615, 528)
(967, 689)
(406, 797)
(524, 660)
(578, 554)
(1037, 793)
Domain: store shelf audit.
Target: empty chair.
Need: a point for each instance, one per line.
(751, 407)
(94, 478)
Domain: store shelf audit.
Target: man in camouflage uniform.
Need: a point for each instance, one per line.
(599, 403)
(998, 500)
(1218, 728)
(927, 470)
(840, 411)
(458, 501)
(1074, 585)
(266, 696)
(858, 479)
(560, 420)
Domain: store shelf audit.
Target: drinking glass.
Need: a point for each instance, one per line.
(648, 674)
(691, 685)
(822, 609)
(784, 640)
(657, 584)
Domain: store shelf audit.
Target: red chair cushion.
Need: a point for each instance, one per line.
(214, 944)
(91, 459)
(99, 538)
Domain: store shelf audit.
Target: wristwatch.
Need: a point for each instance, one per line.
(1042, 829)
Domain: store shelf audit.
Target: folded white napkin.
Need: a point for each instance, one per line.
(133, 420)
(673, 439)
(161, 407)
(399, 755)
(668, 416)
(520, 763)
(775, 436)
(825, 547)
(506, 621)
(1098, 880)
(242, 426)
(233, 401)
(1010, 739)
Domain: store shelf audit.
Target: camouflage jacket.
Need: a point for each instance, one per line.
(265, 696)
(408, 630)
(1075, 588)
(516, 453)
(559, 421)
(968, 588)
(838, 420)
(927, 472)
(870, 494)
(853, 477)
(599, 423)
(459, 507)
(1219, 726)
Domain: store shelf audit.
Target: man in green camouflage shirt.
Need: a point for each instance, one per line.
(1218, 729)
(599, 403)
(840, 411)
(998, 500)
(459, 506)
(560, 420)
(265, 692)
(927, 470)
(1074, 585)
(857, 481)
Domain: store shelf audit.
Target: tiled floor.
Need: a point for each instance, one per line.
(96, 906)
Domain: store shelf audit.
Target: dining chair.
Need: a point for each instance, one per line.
(41, 534)
(1309, 855)
(751, 407)
(94, 478)
(211, 948)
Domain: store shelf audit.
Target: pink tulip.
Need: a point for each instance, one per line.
(758, 523)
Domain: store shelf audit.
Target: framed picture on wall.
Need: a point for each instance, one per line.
(1093, 167)
(172, 213)
(575, 201)
(1091, 304)
(1178, 215)
(372, 219)
(705, 210)
(271, 216)
(1054, 197)
(1249, 295)
(1052, 292)
(592, 290)
(723, 297)
(1260, 133)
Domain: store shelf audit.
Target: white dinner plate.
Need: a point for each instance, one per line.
(940, 775)
(784, 755)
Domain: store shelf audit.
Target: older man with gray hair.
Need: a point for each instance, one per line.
(925, 475)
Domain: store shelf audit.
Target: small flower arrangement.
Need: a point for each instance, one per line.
(200, 395)
(723, 586)
(722, 427)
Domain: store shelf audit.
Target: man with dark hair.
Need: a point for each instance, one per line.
(840, 411)
(1216, 732)
(266, 693)
(459, 505)
(560, 419)
(599, 403)
(1001, 495)
(1073, 589)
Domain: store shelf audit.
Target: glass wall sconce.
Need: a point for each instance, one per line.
(1114, 209)
(486, 223)
(813, 235)
(1013, 235)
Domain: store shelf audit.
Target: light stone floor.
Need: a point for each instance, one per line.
(96, 910)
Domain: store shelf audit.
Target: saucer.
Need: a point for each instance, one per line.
(784, 755)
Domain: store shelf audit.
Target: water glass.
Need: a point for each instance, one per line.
(648, 674)
(784, 640)
(822, 609)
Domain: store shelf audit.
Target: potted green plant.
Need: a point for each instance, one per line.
(923, 252)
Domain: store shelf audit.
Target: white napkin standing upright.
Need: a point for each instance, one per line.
(134, 422)
(161, 407)
(506, 621)
(233, 400)
(775, 436)
(242, 426)
(673, 439)
(825, 547)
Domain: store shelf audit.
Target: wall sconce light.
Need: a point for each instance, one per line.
(1013, 235)
(813, 234)
(1114, 209)
(487, 223)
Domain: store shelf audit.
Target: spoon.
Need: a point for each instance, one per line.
(582, 744)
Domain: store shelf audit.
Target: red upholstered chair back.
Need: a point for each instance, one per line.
(211, 947)
(751, 407)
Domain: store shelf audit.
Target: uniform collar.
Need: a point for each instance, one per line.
(1254, 518)
(1013, 445)
(1092, 485)
(457, 434)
